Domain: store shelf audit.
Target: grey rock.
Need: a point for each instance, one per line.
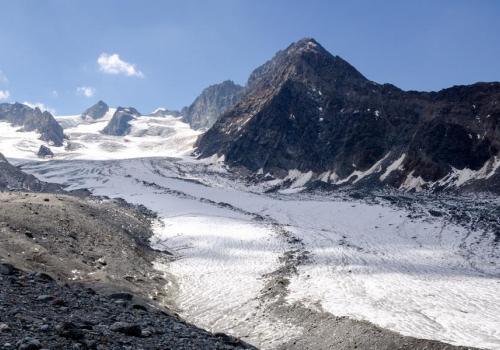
(96, 111)
(121, 296)
(4, 327)
(211, 104)
(44, 152)
(12, 178)
(33, 119)
(29, 343)
(7, 269)
(126, 328)
(45, 298)
(69, 330)
(119, 124)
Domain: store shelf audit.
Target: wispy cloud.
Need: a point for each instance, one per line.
(55, 93)
(86, 91)
(41, 106)
(113, 64)
(4, 95)
(3, 78)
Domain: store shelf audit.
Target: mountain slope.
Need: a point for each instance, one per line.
(12, 178)
(33, 119)
(119, 125)
(309, 110)
(211, 103)
(96, 111)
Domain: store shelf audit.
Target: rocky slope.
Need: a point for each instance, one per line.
(12, 178)
(309, 110)
(163, 112)
(38, 313)
(211, 103)
(119, 123)
(33, 119)
(96, 111)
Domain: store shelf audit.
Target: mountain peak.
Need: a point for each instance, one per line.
(305, 45)
(96, 111)
(307, 61)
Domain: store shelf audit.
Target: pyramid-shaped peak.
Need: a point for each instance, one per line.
(306, 45)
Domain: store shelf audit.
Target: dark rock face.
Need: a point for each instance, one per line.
(33, 120)
(97, 111)
(309, 110)
(212, 103)
(44, 152)
(11, 178)
(119, 123)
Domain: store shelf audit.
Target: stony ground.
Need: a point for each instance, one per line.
(78, 273)
(38, 313)
(88, 240)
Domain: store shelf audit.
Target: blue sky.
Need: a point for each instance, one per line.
(163, 53)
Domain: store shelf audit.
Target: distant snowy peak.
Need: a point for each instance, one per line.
(33, 119)
(307, 110)
(96, 111)
(164, 112)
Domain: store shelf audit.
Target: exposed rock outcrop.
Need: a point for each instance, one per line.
(44, 152)
(211, 104)
(12, 178)
(119, 124)
(96, 111)
(33, 119)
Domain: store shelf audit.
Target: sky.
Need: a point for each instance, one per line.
(66, 54)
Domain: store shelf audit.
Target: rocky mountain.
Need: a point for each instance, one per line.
(311, 111)
(211, 103)
(45, 152)
(163, 112)
(119, 123)
(96, 111)
(12, 178)
(33, 119)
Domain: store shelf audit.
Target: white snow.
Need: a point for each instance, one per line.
(412, 182)
(459, 177)
(150, 136)
(17, 144)
(396, 165)
(357, 175)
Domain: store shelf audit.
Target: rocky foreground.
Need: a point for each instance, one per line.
(78, 274)
(39, 313)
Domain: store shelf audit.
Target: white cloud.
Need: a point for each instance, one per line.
(41, 106)
(113, 64)
(4, 94)
(86, 91)
(55, 93)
